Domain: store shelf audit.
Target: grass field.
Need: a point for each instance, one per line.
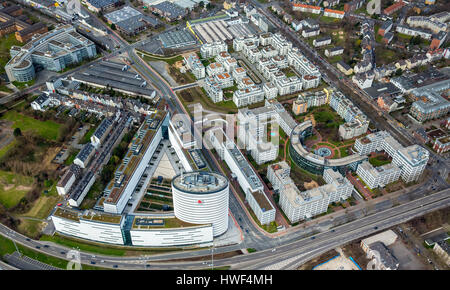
(5, 149)
(5, 44)
(7, 247)
(197, 95)
(169, 60)
(23, 85)
(379, 161)
(104, 249)
(46, 129)
(87, 137)
(13, 187)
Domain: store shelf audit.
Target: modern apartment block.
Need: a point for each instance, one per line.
(299, 205)
(213, 90)
(357, 122)
(412, 160)
(195, 65)
(248, 96)
(378, 176)
(209, 50)
(249, 181)
(53, 50)
(430, 104)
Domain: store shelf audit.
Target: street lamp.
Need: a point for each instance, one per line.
(212, 257)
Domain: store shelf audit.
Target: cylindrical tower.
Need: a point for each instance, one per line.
(201, 197)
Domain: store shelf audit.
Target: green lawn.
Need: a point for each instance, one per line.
(376, 161)
(169, 60)
(5, 149)
(13, 187)
(7, 247)
(326, 19)
(23, 85)
(4, 88)
(46, 129)
(71, 157)
(104, 249)
(87, 137)
(6, 43)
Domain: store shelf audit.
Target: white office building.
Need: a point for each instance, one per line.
(90, 225)
(201, 197)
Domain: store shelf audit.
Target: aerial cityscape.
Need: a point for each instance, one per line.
(224, 135)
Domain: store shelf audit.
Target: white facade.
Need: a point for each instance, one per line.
(66, 183)
(248, 96)
(172, 236)
(209, 50)
(412, 160)
(119, 195)
(299, 205)
(180, 139)
(201, 197)
(378, 176)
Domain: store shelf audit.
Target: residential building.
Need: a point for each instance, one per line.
(333, 13)
(84, 156)
(334, 51)
(195, 65)
(412, 160)
(380, 176)
(248, 96)
(442, 144)
(209, 50)
(322, 41)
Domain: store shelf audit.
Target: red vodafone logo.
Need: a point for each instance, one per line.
(199, 201)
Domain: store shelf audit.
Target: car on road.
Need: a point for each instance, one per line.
(376, 228)
(38, 247)
(46, 246)
(59, 204)
(312, 238)
(115, 266)
(63, 253)
(92, 262)
(28, 239)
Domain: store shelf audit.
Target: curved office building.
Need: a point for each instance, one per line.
(201, 197)
(314, 163)
(53, 50)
